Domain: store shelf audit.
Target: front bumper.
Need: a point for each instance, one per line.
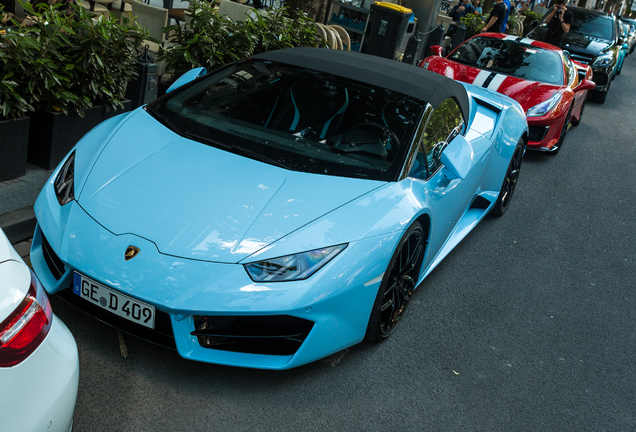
(544, 132)
(602, 76)
(337, 299)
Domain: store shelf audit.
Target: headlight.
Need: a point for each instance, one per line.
(64, 181)
(604, 60)
(544, 107)
(292, 267)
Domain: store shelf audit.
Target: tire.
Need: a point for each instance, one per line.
(510, 181)
(397, 284)
(564, 131)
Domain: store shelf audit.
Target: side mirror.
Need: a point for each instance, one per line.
(566, 53)
(437, 50)
(458, 157)
(190, 75)
(585, 85)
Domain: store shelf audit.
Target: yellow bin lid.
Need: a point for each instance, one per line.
(393, 6)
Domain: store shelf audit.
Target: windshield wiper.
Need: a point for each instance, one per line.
(234, 149)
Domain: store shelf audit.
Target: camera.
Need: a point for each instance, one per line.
(559, 11)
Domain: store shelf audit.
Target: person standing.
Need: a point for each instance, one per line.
(504, 25)
(460, 10)
(496, 18)
(559, 21)
(477, 7)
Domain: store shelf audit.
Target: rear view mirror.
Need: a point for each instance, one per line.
(190, 75)
(437, 50)
(585, 85)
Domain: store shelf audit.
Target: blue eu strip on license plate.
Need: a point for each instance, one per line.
(114, 301)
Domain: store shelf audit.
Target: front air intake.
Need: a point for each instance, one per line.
(272, 335)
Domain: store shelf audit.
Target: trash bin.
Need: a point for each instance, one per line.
(386, 34)
(410, 31)
(412, 50)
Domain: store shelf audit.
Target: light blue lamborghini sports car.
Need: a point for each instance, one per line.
(279, 209)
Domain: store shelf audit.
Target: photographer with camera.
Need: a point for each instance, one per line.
(558, 21)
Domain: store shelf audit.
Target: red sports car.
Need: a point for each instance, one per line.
(550, 87)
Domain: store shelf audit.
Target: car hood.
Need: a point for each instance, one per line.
(527, 93)
(195, 201)
(583, 44)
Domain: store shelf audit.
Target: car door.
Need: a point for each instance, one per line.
(446, 194)
(572, 80)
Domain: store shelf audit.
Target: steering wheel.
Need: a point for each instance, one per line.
(386, 133)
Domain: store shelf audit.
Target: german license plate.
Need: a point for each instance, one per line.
(114, 301)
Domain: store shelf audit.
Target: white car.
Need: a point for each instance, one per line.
(39, 365)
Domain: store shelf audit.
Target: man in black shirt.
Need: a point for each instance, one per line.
(496, 18)
(558, 21)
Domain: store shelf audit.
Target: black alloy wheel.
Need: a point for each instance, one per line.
(510, 181)
(397, 285)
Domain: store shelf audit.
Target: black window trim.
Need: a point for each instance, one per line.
(428, 113)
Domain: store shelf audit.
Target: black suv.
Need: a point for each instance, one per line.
(593, 39)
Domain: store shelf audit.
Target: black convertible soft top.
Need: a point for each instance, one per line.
(377, 71)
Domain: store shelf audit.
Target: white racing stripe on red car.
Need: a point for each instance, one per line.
(496, 82)
(527, 41)
(481, 78)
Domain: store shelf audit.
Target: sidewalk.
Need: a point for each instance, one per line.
(17, 197)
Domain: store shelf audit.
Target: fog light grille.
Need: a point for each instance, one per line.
(272, 335)
(537, 133)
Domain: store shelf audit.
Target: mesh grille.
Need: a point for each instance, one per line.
(273, 335)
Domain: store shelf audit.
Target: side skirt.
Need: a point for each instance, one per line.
(479, 208)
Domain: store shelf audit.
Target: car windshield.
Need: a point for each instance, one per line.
(592, 25)
(511, 58)
(296, 118)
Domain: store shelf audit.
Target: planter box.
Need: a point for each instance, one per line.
(13, 147)
(54, 134)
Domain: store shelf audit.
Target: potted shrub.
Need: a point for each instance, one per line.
(82, 71)
(14, 127)
(474, 23)
(211, 41)
(14, 107)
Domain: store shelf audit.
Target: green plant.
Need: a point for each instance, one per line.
(35, 74)
(473, 23)
(533, 15)
(100, 57)
(276, 30)
(66, 62)
(514, 26)
(211, 41)
(12, 104)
